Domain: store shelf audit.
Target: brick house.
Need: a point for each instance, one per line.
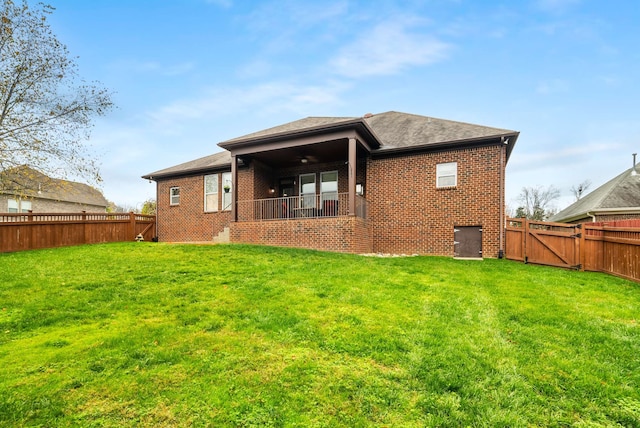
(24, 189)
(390, 183)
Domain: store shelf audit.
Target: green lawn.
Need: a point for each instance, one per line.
(144, 334)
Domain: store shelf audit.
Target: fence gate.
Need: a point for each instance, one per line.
(552, 244)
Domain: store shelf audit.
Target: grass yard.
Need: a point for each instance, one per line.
(143, 334)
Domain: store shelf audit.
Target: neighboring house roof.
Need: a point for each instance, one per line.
(619, 195)
(389, 132)
(27, 182)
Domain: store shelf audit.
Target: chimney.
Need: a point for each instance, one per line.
(633, 171)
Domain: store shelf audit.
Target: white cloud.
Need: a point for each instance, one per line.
(387, 49)
(271, 97)
(552, 86)
(190, 128)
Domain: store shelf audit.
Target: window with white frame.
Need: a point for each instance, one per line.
(307, 191)
(18, 206)
(174, 196)
(447, 174)
(211, 193)
(25, 206)
(227, 185)
(12, 206)
(329, 186)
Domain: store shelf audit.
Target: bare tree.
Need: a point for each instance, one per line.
(580, 189)
(537, 202)
(46, 110)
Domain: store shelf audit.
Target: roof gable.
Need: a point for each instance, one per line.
(306, 124)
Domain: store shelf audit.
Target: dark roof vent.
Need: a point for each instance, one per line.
(368, 115)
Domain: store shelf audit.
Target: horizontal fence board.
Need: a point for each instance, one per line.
(29, 231)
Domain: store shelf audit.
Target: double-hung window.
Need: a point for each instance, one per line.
(329, 186)
(18, 206)
(447, 174)
(12, 206)
(174, 196)
(211, 193)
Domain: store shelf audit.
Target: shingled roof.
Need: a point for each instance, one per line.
(28, 182)
(207, 163)
(621, 194)
(392, 131)
(403, 130)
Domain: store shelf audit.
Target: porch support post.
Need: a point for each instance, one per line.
(234, 188)
(352, 176)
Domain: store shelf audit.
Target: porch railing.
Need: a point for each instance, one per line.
(305, 206)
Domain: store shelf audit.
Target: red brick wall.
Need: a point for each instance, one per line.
(188, 221)
(615, 217)
(606, 218)
(341, 234)
(408, 214)
(619, 221)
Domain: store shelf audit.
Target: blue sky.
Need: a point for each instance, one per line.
(188, 74)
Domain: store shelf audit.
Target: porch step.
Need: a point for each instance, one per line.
(223, 237)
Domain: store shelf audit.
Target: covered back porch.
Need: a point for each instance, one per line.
(302, 189)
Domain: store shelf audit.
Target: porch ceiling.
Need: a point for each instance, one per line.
(323, 152)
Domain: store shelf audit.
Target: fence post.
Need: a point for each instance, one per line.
(32, 232)
(525, 233)
(132, 224)
(582, 248)
(85, 239)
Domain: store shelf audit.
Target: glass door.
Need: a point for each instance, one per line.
(307, 191)
(329, 193)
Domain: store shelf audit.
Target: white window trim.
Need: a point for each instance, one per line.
(443, 171)
(216, 192)
(322, 198)
(19, 206)
(172, 197)
(29, 206)
(15, 208)
(230, 192)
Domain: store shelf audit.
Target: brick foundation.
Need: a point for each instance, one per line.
(340, 234)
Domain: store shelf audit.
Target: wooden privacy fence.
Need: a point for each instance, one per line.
(28, 231)
(591, 247)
